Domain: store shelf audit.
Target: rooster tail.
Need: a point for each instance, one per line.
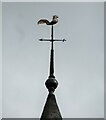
(43, 21)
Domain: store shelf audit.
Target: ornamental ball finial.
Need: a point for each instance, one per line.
(51, 84)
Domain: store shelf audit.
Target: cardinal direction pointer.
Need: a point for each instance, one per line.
(51, 40)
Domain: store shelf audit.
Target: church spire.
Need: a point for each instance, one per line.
(51, 109)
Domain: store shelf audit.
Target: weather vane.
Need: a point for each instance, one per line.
(51, 82)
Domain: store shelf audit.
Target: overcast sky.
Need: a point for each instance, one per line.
(79, 62)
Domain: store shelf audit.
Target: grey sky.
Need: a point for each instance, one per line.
(0, 61)
(104, 59)
(79, 62)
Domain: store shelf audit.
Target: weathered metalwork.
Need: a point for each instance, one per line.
(51, 110)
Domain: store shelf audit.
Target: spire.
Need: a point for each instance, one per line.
(51, 82)
(51, 109)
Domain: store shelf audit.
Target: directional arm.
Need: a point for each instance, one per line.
(51, 40)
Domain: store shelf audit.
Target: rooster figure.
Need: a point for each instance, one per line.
(45, 21)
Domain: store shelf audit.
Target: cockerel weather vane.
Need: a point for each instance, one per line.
(51, 82)
(53, 22)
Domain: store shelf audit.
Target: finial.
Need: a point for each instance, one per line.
(51, 83)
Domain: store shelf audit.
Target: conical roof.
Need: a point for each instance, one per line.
(51, 110)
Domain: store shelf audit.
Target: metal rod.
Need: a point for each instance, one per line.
(52, 56)
(52, 36)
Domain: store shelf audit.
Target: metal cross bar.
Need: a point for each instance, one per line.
(52, 40)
